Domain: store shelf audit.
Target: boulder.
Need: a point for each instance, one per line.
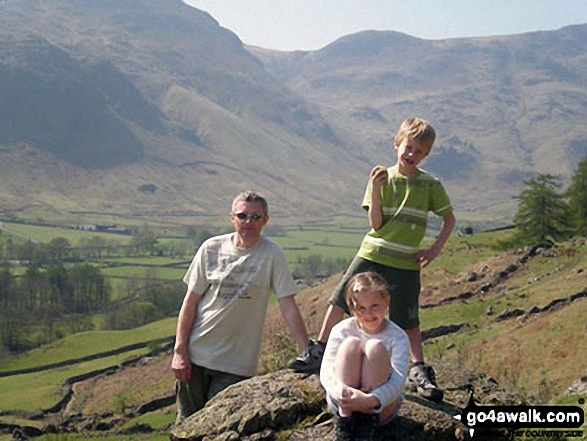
(286, 405)
(265, 404)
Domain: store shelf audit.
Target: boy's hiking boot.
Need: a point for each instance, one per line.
(423, 380)
(309, 361)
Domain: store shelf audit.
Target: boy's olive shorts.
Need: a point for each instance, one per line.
(404, 289)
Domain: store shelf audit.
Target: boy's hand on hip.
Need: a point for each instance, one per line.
(424, 257)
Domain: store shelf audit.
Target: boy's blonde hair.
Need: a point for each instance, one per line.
(416, 128)
(360, 282)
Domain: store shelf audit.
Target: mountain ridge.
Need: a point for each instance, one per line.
(105, 99)
(212, 104)
(478, 93)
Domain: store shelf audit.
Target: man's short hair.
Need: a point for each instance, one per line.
(251, 197)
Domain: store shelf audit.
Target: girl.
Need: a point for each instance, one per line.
(366, 360)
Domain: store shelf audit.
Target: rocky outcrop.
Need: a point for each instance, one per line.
(489, 278)
(287, 406)
(579, 387)
(266, 404)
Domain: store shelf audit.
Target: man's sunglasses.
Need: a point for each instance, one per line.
(253, 216)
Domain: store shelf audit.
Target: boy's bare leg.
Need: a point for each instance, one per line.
(416, 351)
(422, 376)
(333, 315)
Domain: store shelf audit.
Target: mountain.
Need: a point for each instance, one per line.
(145, 108)
(102, 99)
(505, 108)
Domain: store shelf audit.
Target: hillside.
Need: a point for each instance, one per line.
(516, 319)
(96, 107)
(504, 107)
(151, 110)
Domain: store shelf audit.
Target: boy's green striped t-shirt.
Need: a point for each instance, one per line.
(405, 202)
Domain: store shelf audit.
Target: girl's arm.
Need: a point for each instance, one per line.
(400, 356)
(328, 377)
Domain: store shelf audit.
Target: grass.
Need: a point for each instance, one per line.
(147, 261)
(44, 234)
(159, 420)
(461, 251)
(136, 384)
(160, 273)
(89, 343)
(543, 355)
(520, 355)
(327, 240)
(41, 390)
(102, 437)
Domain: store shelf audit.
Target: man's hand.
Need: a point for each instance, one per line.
(181, 366)
(181, 363)
(294, 321)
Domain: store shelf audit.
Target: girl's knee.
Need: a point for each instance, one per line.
(351, 345)
(375, 348)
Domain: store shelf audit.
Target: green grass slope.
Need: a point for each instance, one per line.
(538, 354)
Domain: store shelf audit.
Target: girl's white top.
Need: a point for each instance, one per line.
(397, 344)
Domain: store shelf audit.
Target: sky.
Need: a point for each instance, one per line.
(312, 24)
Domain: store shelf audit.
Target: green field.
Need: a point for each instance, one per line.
(41, 390)
(88, 343)
(152, 272)
(44, 234)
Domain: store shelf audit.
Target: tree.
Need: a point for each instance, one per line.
(33, 288)
(542, 212)
(577, 194)
(58, 248)
(144, 240)
(12, 324)
(89, 288)
(59, 290)
(7, 297)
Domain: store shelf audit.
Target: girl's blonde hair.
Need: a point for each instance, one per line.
(369, 280)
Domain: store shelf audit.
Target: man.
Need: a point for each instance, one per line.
(220, 323)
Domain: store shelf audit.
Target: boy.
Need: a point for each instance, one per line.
(397, 200)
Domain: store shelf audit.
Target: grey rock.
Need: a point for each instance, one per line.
(287, 406)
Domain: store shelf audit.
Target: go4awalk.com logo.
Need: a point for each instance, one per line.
(529, 421)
